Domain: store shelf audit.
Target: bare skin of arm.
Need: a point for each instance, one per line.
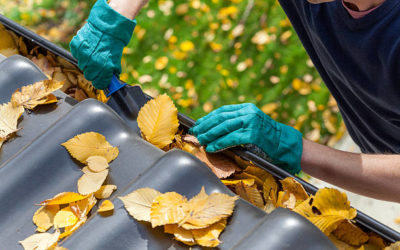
(128, 8)
(376, 176)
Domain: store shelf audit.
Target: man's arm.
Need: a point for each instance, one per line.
(128, 8)
(377, 176)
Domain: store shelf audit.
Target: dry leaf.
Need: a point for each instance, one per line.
(106, 206)
(250, 194)
(221, 165)
(208, 209)
(248, 182)
(97, 163)
(261, 175)
(9, 116)
(191, 139)
(63, 198)
(286, 200)
(44, 217)
(40, 241)
(81, 209)
(290, 185)
(340, 245)
(105, 191)
(64, 218)
(168, 208)
(35, 94)
(208, 237)
(259, 182)
(69, 230)
(350, 234)
(327, 209)
(82, 146)
(43, 63)
(138, 203)
(270, 189)
(158, 121)
(182, 235)
(8, 47)
(91, 182)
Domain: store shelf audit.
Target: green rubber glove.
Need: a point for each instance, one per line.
(244, 124)
(99, 43)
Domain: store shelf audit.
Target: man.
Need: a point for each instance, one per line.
(355, 45)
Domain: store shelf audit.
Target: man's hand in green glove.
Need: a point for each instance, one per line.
(98, 45)
(243, 124)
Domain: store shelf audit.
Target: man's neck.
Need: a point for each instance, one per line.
(363, 5)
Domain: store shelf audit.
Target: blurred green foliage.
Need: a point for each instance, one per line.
(208, 53)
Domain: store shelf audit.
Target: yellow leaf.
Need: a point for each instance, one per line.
(248, 182)
(106, 206)
(86, 86)
(393, 246)
(270, 189)
(69, 230)
(40, 241)
(97, 163)
(82, 207)
(286, 200)
(182, 235)
(9, 116)
(8, 47)
(208, 237)
(105, 191)
(239, 176)
(64, 218)
(340, 245)
(350, 234)
(327, 209)
(260, 173)
(44, 217)
(82, 146)
(290, 185)
(138, 203)
(161, 63)
(101, 97)
(168, 208)
(35, 94)
(208, 209)
(91, 182)
(63, 198)
(158, 121)
(250, 194)
(330, 201)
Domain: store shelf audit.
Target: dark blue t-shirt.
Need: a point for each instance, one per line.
(359, 61)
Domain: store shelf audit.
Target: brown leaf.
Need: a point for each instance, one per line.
(350, 234)
(221, 165)
(9, 116)
(250, 194)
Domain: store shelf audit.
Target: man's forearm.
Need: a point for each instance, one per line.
(128, 8)
(377, 176)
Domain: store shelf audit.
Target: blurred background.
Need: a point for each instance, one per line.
(208, 53)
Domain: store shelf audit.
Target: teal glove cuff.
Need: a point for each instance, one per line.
(290, 149)
(110, 22)
(99, 44)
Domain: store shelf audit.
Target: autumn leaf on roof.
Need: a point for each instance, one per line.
(327, 209)
(8, 47)
(138, 203)
(40, 241)
(208, 209)
(9, 116)
(158, 121)
(36, 94)
(83, 146)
